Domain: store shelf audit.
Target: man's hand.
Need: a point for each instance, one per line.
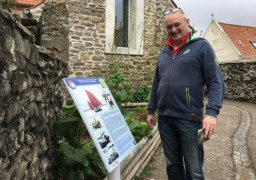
(209, 124)
(151, 121)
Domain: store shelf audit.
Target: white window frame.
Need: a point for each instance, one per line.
(135, 36)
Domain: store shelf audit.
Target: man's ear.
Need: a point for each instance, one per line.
(187, 21)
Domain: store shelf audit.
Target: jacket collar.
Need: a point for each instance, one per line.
(185, 40)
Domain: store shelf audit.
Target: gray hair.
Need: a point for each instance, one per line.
(166, 13)
(184, 15)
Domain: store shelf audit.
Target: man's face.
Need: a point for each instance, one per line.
(176, 25)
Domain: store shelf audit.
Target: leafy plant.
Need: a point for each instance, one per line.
(78, 157)
(147, 172)
(139, 129)
(119, 88)
(141, 94)
(9, 5)
(140, 109)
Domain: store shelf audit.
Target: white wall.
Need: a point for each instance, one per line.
(223, 47)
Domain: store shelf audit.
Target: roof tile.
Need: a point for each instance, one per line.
(30, 3)
(241, 37)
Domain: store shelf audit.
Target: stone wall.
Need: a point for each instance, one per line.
(140, 69)
(240, 80)
(87, 37)
(31, 98)
(87, 41)
(54, 29)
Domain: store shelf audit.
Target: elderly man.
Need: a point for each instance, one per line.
(184, 66)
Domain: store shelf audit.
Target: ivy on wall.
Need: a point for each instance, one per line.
(8, 5)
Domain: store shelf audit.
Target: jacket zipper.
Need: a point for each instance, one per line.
(169, 103)
(169, 84)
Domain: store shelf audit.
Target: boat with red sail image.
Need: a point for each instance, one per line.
(93, 102)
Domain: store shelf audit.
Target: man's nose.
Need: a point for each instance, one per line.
(173, 29)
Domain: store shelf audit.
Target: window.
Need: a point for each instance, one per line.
(122, 24)
(127, 33)
(253, 43)
(26, 13)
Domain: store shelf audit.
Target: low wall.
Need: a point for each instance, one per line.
(31, 98)
(240, 80)
(138, 159)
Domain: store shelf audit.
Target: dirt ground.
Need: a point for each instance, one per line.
(218, 162)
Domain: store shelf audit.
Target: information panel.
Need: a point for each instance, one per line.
(103, 119)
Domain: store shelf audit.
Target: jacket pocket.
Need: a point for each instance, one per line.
(162, 96)
(180, 97)
(187, 96)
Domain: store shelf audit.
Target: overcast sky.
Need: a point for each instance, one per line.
(239, 12)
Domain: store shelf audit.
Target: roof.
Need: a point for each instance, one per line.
(174, 3)
(28, 3)
(242, 37)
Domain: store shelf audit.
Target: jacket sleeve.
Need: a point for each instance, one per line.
(213, 80)
(152, 106)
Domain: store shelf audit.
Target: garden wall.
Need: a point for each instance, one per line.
(54, 29)
(240, 80)
(87, 39)
(31, 98)
(87, 55)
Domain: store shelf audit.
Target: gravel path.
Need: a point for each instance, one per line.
(231, 152)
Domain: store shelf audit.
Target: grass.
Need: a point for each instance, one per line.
(148, 171)
(159, 150)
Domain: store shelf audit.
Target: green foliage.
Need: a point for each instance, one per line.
(140, 109)
(126, 113)
(120, 88)
(147, 172)
(141, 94)
(150, 168)
(9, 5)
(78, 158)
(82, 164)
(139, 129)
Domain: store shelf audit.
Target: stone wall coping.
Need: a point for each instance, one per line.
(27, 34)
(50, 54)
(238, 61)
(7, 16)
(11, 19)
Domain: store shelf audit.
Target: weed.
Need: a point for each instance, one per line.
(148, 171)
(77, 155)
(8, 5)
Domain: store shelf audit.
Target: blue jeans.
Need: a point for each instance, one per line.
(179, 141)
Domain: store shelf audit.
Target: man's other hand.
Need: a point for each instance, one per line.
(151, 121)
